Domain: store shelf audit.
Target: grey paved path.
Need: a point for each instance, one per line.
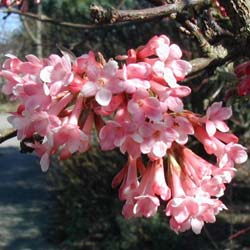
(23, 199)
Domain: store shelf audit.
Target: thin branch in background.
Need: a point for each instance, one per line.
(195, 30)
(239, 233)
(214, 244)
(120, 4)
(230, 196)
(28, 29)
(44, 18)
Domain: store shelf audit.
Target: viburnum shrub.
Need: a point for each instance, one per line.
(135, 104)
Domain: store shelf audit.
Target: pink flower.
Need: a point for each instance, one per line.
(179, 67)
(213, 185)
(116, 102)
(69, 137)
(166, 65)
(157, 45)
(142, 106)
(215, 117)
(159, 184)
(102, 83)
(153, 183)
(191, 204)
(111, 135)
(135, 76)
(129, 180)
(12, 71)
(170, 98)
(122, 133)
(141, 199)
(233, 153)
(57, 73)
(157, 138)
(195, 166)
(225, 174)
(181, 126)
(44, 151)
(192, 212)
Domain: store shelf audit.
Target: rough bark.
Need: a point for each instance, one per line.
(239, 13)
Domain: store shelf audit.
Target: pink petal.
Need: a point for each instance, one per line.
(169, 78)
(110, 68)
(55, 88)
(174, 52)
(210, 128)
(221, 126)
(175, 104)
(159, 149)
(46, 74)
(103, 97)
(44, 162)
(180, 68)
(89, 89)
(196, 225)
(162, 52)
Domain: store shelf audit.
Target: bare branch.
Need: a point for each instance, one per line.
(28, 30)
(212, 51)
(6, 135)
(102, 15)
(199, 64)
(44, 18)
(109, 17)
(239, 13)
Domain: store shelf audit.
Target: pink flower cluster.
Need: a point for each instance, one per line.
(134, 105)
(242, 71)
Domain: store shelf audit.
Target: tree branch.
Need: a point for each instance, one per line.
(199, 64)
(102, 15)
(238, 12)
(6, 135)
(212, 51)
(44, 18)
(28, 30)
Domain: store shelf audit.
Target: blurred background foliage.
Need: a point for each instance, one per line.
(87, 213)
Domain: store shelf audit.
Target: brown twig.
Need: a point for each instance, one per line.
(44, 18)
(109, 17)
(242, 231)
(214, 244)
(199, 64)
(6, 135)
(102, 15)
(212, 51)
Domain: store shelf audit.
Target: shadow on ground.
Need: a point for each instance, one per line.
(24, 200)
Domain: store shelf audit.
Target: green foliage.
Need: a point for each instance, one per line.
(87, 214)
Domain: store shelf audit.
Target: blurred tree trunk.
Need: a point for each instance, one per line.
(39, 26)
